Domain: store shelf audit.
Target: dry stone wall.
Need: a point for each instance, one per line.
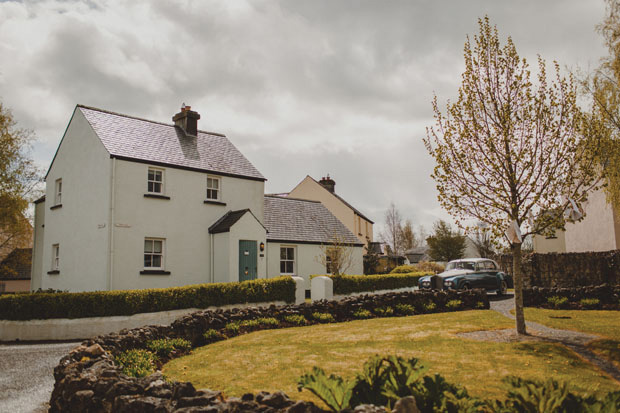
(567, 270)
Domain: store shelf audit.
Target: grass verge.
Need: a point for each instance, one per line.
(274, 360)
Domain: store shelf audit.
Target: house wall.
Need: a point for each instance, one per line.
(12, 286)
(221, 249)
(312, 190)
(80, 225)
(183, 221)
(248, 229)
(597, 231)
(307, 260)
(37, 248)
(544, 245)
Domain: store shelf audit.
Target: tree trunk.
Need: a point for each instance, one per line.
(518, 282)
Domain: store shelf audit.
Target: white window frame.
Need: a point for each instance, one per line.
(154, 181)
(286, 260)
(55, 257)
(218, 189)
(58, 192)
(153, 253)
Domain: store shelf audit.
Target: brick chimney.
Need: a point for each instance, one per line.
(187, 120)
(328, 183)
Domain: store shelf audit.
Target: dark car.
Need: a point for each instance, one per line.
(468, 273)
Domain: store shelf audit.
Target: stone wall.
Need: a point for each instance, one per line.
(601, 297)
(88, 380)
(567, 269)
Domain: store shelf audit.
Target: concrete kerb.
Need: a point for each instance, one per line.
(84, 328)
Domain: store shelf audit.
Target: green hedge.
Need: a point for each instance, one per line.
(347, 284)
(128, 302)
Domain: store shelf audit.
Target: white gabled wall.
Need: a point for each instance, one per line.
(306, 260)
(80, 225)
(221, 263)
(183, 221)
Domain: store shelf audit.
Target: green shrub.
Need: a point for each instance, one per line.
(480, 305)
(557, 302)
(405, 309)
(136, 363)
(426, 267)
(454, 304)
(212, 336)
(429, 307)
(165, 346)
(347, 284)
(127, 302)
(404, 269)
(589, 302)
(362, 313)
(260, 322)
(384, 311)
(232, 328)
(323, 317)
(296, 319)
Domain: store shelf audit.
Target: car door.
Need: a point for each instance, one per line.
(480, 276)
(490, 276)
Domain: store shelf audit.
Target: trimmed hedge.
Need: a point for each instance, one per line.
(128, 302)
(347, 284)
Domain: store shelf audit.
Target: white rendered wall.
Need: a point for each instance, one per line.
(183, 222)
(306, 262)
(598, 231)
(37, 248)
(247, 229)
(80, 225)
(221, 251)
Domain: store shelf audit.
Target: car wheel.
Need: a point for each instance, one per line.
(503, 287)
(466, 287)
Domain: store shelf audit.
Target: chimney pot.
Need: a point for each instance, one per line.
(328, 184)
(187, 120)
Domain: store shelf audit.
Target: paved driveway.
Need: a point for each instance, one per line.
(27, 375)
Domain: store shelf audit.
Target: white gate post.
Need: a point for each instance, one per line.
(300, 290)
(322, 288)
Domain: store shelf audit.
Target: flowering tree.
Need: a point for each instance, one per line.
(508, 153)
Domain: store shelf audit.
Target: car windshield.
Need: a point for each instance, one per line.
(460, 265)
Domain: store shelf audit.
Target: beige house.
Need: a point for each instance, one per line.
(598, 231)
(324, 191)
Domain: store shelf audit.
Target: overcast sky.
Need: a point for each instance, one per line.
(302, 87)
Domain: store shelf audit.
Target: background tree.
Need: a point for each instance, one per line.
(482, 240)
(371, 260)
(391, 234)
(336, 256)
(445, 244)
(603, 87)
(408, 238)
(507, 150)
(18, 183)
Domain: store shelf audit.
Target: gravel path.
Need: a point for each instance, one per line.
(574, 340)
(27, 375)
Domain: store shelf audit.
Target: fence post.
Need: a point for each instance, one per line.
(322, 288)
(300, 290)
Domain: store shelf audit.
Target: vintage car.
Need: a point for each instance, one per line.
(469, 273)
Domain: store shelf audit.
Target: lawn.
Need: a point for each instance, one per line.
(274, 359)
(603, 323)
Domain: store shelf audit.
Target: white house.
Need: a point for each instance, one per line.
(132, 203)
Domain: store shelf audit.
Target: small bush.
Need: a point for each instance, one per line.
(480, 305)
(405, 309)
(384, 311)
(136, 363)
(212, 336)
(260, 322)
(164, 347)
(428, 267)
(296, 319)
(232, 329)
(557, 302)
(323, 317)
(454, 304)
(429, 307)
(404, 269)
(362, 313)
(589, 302)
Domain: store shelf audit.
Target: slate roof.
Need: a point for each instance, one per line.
(16, 265)
(131, 138)
(303, 221)
(226, 221)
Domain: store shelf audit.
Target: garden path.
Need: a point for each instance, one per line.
(574, 340)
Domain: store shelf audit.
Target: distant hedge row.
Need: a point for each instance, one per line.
(347, 284)
(128, 302)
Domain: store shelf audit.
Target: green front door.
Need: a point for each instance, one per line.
(247, 260)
